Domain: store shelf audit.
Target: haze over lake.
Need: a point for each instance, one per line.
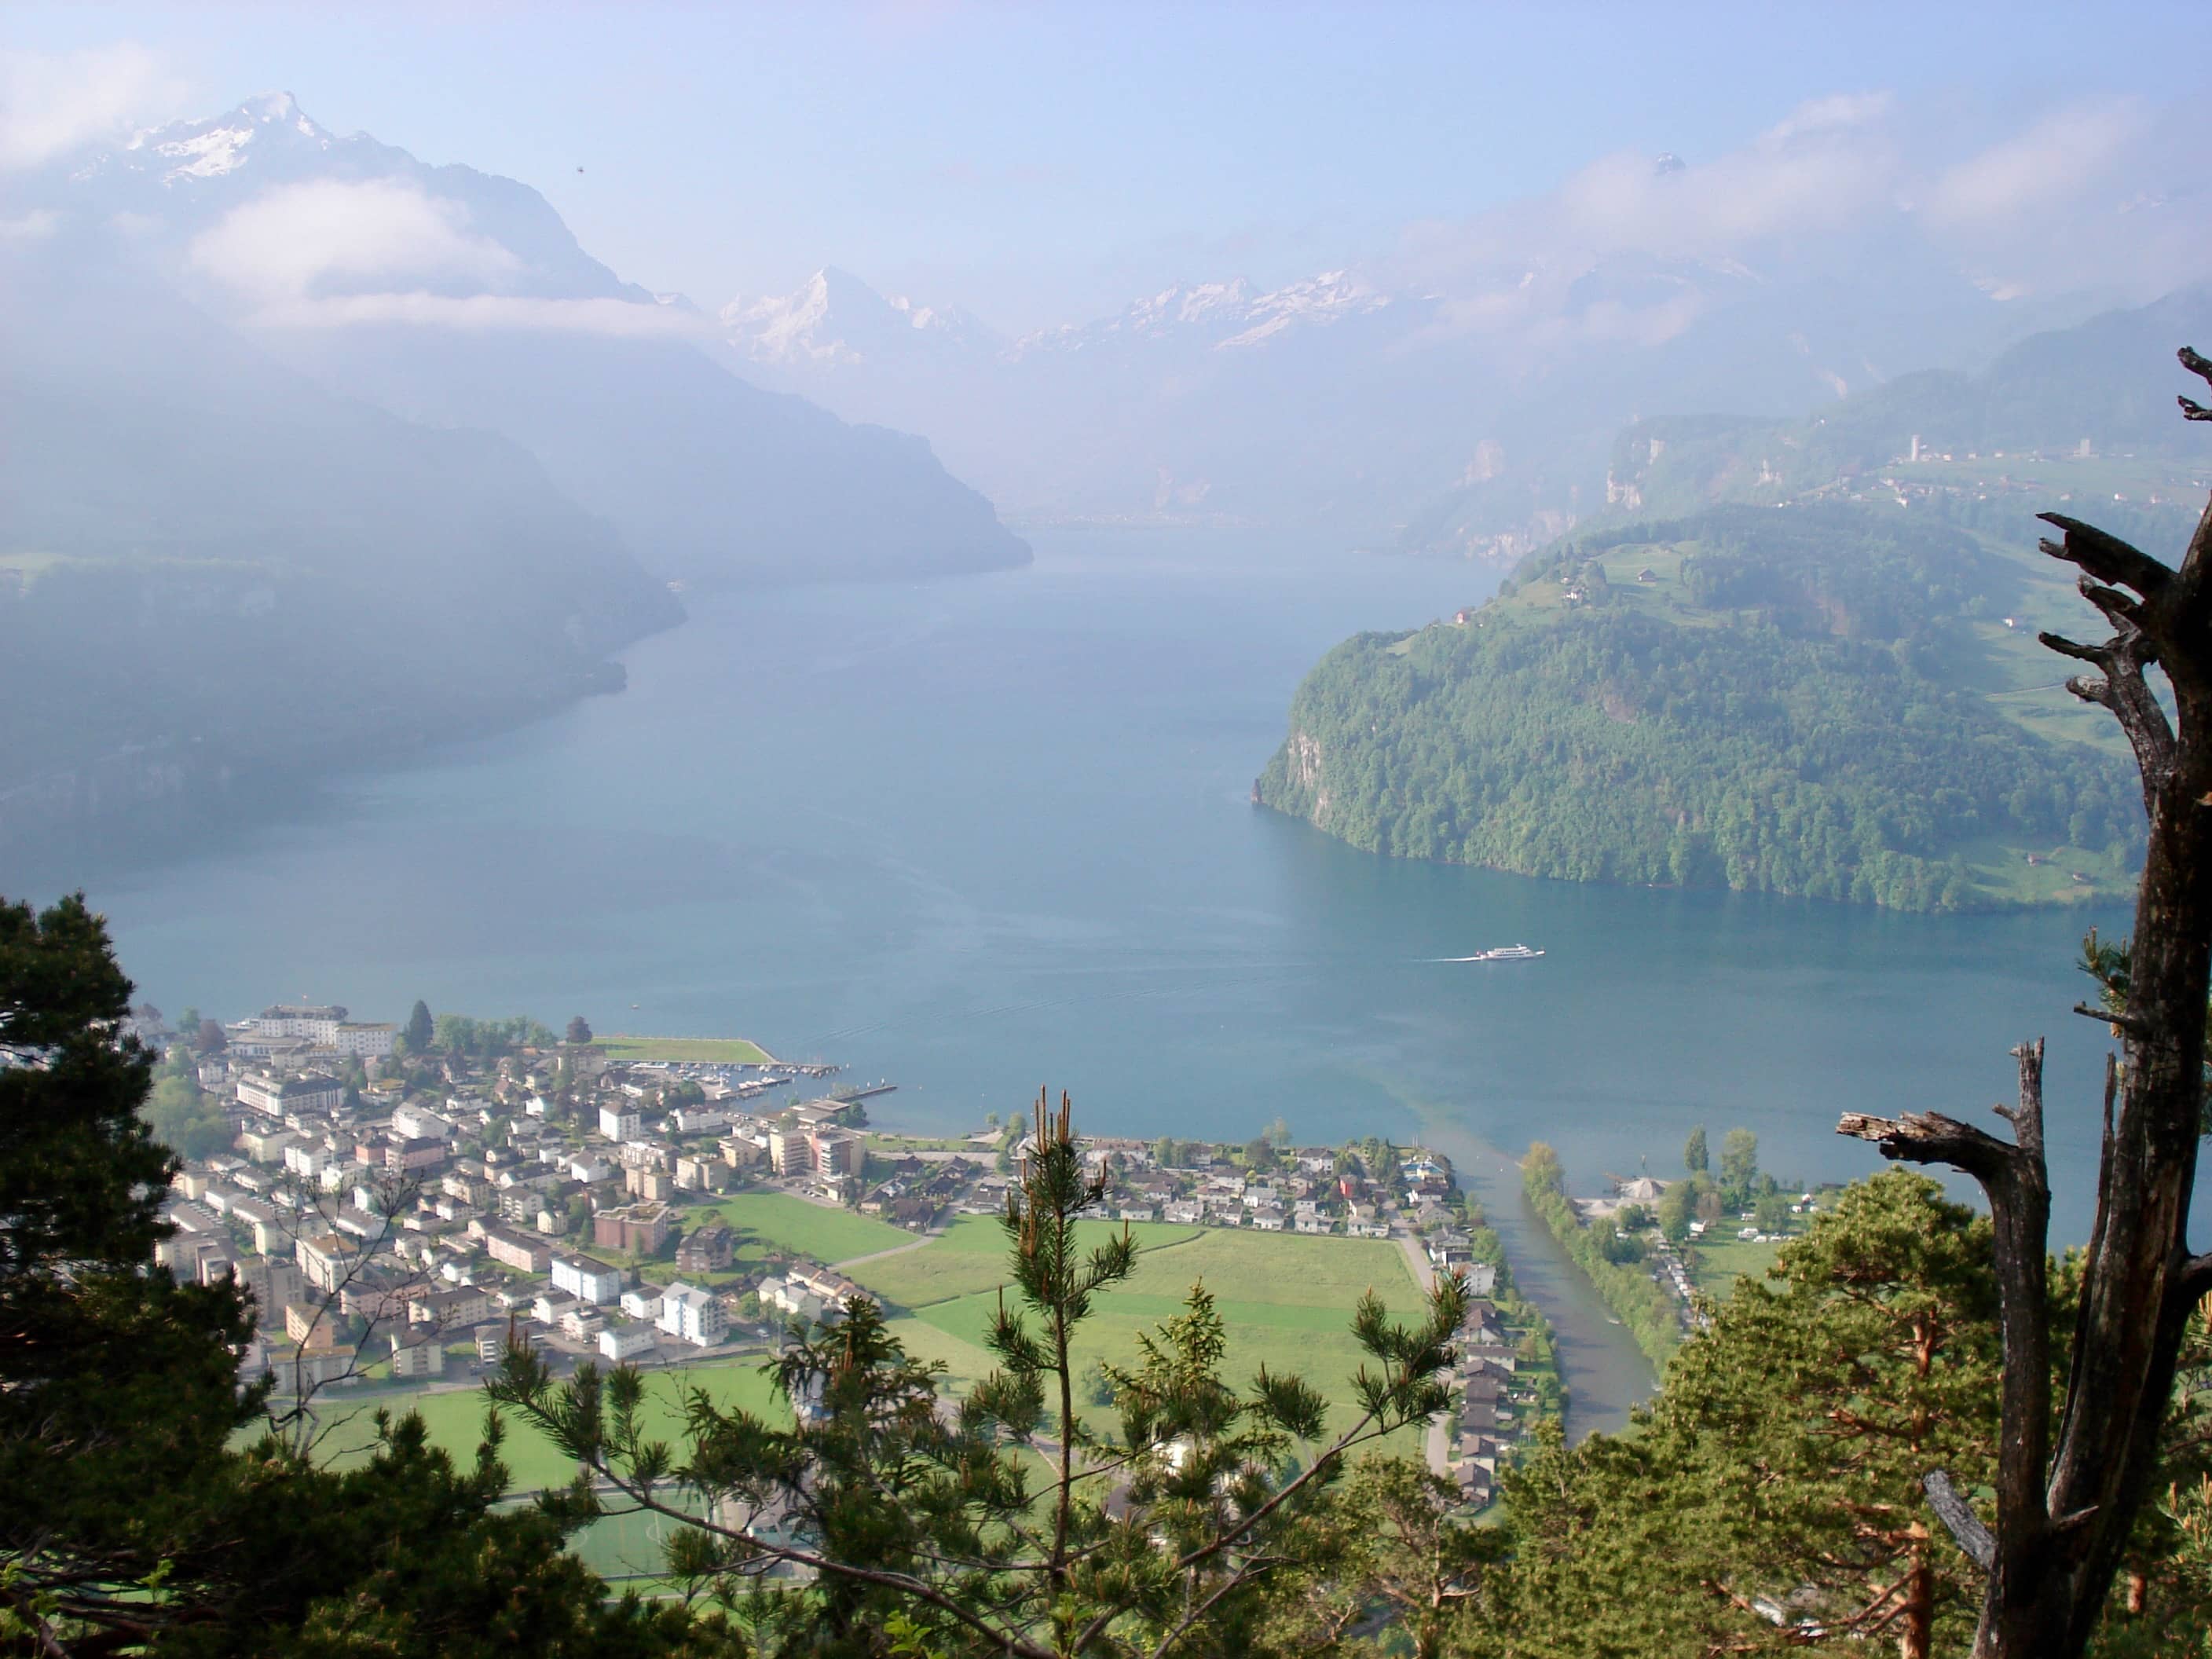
(982, 833)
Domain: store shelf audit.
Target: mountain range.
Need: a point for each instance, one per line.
(1460, 401)
(314, 450)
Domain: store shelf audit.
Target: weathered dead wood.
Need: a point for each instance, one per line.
(2066, 1501)
(1958, 1516)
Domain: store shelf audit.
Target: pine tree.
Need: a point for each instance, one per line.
(420, 1031)
(1160, 1537)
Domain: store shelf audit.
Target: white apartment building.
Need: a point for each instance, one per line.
(285, 1019)
(278, 1096)
(307, 1158)
(692, 1314)
(363, 1041)
(620, 1123)
(642, 1302)
(620, 1342)
(420, 1123)
(587, 1281)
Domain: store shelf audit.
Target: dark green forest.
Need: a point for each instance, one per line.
(1768, 714)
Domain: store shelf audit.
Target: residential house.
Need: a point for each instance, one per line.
(646, 1182)
(707, 1250)
(626, 1341)
(697, 1173)
(519, 1251)
(417, 1356)
(582, 1323)
(455, 1309)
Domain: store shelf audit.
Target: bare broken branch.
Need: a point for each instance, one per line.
(2118, 1020)
(2105, 556)
(1959, 1518)
(1931, 1138)
(2100, 655)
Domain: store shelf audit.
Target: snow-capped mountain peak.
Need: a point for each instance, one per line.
(834, 318)
(224, 143)
(1223, 316)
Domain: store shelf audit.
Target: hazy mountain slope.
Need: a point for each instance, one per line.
(211, 568)
(1808, 702)
(2068, 413)
(1472, 415)
(710, 479)
(451, 296)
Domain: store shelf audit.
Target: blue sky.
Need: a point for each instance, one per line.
(1043, 164)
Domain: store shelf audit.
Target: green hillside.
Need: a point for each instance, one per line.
(1832, 701)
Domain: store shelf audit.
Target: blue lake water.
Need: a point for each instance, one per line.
(984, 834)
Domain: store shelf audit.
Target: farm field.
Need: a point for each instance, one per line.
(811, 1230)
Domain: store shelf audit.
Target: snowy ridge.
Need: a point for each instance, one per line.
(212, 148)
(1226, 316)
(834, 319)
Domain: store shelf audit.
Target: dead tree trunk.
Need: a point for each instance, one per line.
(2066, 1503)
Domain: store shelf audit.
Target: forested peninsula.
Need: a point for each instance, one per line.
(1827, 702)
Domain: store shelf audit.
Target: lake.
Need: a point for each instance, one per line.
(987, 834)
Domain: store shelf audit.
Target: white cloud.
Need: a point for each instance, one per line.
(51, 104)
(486, 311)
(1841, 110)
(337, 254)
(2093, 194)
(297, 240)
(2052, 162)
(33, 226)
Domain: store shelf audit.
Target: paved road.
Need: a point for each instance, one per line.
(1424, 1275)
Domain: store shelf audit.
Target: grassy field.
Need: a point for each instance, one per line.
(812, 1229)
(971, 1256)
(722, 1051)
(455, 1418)
(1287, 1298)
(1720, 1263)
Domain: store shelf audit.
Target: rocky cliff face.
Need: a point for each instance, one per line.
(1293, 782)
